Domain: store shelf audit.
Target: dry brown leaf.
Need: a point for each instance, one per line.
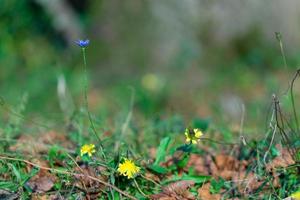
(46, 197)
(178, 187)
(53, 137)
(43, 181)
(227, 174)
(227, 162)
(152, 176)
(246, 182)
(152, 152)
(228, 166)
(204, 193)
(198, 163)
(39, 197)
(283, 160)
(175, 191)
(212, 167)
(93, 188)
(37, 144)
(28, 145)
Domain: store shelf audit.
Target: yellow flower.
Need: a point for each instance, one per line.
(128, 168)
(296, 195)
(87, 149)
(193, 135)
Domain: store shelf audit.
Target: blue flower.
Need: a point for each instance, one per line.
(83, 43)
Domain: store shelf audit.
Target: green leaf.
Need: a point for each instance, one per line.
(116, 195)
(297, 144)
(58, 185)
(274, 151)
(158, 169)
(56, 153)
(9, 186)
(112, 179)
(183, 162)
(161, 151)
(16, 172)
(32, 173)
(197, 179)
(216, 186)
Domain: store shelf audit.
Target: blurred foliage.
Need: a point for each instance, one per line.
(172, 61)
(29, 53)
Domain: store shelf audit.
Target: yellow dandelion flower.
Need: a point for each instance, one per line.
(128, 168)
(296, 195)
(87, 149)
(193, 135)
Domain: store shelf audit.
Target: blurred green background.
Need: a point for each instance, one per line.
(190, 58)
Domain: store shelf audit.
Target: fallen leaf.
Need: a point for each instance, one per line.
(204, 193)
(175, 191)
(43, 181)
(91, 187)
(28, 145)
(198, 164)
(283, 160)
(246, 182)
(45, 197)
(37, 144)
(152, 176)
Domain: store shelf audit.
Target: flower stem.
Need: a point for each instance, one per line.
(86, 101)
(139, 189)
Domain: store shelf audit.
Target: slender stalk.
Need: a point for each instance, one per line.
(139, 189)
(74, 161)
(279, 37)
(293, 101)
(280, 124)
(149, 179)
(86, 100)
(282, 52)
(218, 142)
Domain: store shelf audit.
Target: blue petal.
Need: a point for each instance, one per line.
(82, 43)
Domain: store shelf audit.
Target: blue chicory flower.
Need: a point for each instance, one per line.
(82, 43)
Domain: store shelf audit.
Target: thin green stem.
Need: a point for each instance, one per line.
(139, 189)
(283, 55)
(279, 39)
(149, 179)
(86, 101)
(218, 142)
(293, 101)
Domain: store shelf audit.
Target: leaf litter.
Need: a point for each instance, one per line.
(222, 166)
